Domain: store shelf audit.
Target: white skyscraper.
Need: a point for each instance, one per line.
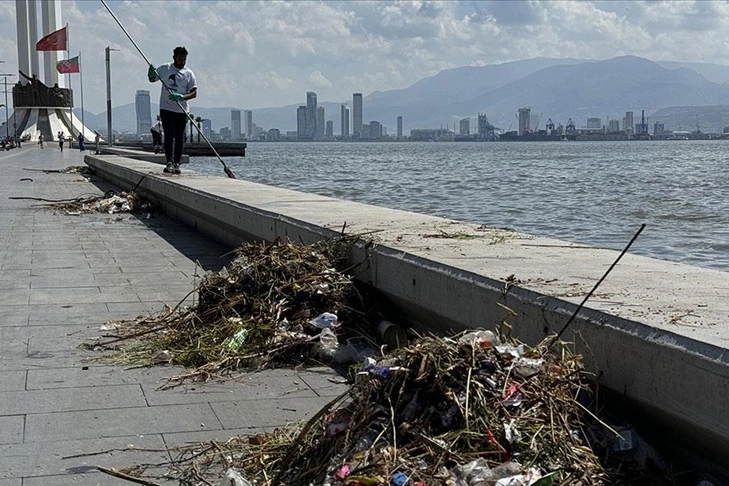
(249, 124)
(144, 112)
(235, 130)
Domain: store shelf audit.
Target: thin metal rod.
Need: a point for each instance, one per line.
(579, 307)
(227, 170)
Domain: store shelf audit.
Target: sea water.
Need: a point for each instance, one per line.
(598, 193)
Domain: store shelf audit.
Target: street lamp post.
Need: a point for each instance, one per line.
(5, 81)
(108, 97)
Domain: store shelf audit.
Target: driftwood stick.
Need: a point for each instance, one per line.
(126, 477)
(579, 307)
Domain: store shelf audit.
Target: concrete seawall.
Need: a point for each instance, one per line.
(655, 331)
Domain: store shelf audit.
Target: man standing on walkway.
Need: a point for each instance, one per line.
(61, 139)
(178, 86)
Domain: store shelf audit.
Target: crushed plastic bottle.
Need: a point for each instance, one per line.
(236, 340)
(324, 321)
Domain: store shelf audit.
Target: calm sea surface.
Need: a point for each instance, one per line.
(597, 193)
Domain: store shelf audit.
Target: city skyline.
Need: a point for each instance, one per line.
(264, 54)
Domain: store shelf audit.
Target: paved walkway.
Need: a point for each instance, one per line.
(61, 278)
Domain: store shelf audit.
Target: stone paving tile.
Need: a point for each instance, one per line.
(11, 429)
(38, 459)
(16, 297)
(99, 375)
(267, 413)
(270, 384)
(80, 295)
(11, 482)
(13, 315)
(71, 399)
(96, 424)
(12, 380)
(66, 313)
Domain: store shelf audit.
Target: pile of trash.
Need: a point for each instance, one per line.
(109, 203)
(280, 304)
(473, 410)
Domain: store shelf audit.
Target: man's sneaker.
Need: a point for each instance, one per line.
(170, 168)
(176, 168)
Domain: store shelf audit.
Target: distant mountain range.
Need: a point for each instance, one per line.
(678, 94)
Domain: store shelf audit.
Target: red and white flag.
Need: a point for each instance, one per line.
(68, 66)
(55, 41)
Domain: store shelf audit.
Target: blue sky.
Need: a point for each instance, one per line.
(261, 54)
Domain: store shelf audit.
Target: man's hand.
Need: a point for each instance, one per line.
(175, 96)
(152, 72)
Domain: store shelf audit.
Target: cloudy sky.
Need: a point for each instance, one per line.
(250, 54)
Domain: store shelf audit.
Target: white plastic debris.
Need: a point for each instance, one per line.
(233, 478)
(483, 339)
(514, 351)
(511, 432)
(162, 357)
(324, 321)
(527, 367)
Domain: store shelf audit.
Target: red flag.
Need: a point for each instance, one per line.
(68, 66)
(55, 41)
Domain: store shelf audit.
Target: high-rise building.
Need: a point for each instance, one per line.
(330, 129)
(207, 127)
(301, 114)
(320, 124)
(357, 115)
(144, 112)
(375, 130)
(628, 122)
(399, 127)
(524, 120)
(311, 114)
(614, 126)
(235, 130)
(249, 123)
(594, 123)
(344, 115)
(658, 128)
(464, 128)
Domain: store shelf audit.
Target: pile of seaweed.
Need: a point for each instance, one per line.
(111, 202)
(470, 410)
(274, 304)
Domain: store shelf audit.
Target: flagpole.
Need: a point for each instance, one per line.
(68, 56)
(81, 80)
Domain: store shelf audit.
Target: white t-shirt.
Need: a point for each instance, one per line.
(180, 80)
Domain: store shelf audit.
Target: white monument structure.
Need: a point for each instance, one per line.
(42, 102)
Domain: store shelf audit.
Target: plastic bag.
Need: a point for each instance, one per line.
(233, 478)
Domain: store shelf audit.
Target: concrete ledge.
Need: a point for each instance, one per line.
(135, 154)
(655, 331)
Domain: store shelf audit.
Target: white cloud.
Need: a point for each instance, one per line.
(262, 53)
(318, 80)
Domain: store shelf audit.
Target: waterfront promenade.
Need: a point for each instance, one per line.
(61, 278)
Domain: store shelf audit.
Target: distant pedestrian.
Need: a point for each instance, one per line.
(40, 140)
(178, 86)
(156, 138)
(81, 146)
(97, 139)
(61, 139)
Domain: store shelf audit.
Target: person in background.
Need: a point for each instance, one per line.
(61, 139)
(40, 140)
(81, 146)
(97, 138)
(156, 138)
(178, 86)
